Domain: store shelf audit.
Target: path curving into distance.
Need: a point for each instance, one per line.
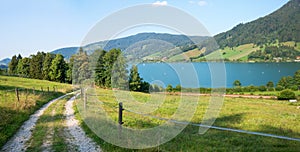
(18, 141)
(76, 139)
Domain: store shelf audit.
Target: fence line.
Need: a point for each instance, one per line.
(120, 121)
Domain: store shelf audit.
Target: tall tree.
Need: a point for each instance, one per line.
(119, 75)
(270, 85)
(58, 69)
(297, 78)
(24, 67)
(80, 71)
(47, 65)
(100, 69)
(135, 81)
(12, 66)
(70, 69)
(36, 65)
(110, 58)
(19, 57)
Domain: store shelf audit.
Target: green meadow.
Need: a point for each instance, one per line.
(33, 94)
(260, 115)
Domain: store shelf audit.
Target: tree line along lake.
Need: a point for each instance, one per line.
(201, 74)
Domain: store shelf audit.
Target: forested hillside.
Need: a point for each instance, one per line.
(282, 25)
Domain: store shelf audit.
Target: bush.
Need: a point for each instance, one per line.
(262, 88)
(286, 95)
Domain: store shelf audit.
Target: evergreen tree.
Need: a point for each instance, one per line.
(12, 67)
(24, 67)
(58, 69)
(286, 82)
(19, 57)
(80, 71)
(297, 78)
(270, 85)
(70, 69)
(135, 81)
(46, 65)
(100, 69)
(119, 75)
(145, 86)
(36, 65)
(110, 58)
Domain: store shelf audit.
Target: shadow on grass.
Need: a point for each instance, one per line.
(215, 140)
(46, 125)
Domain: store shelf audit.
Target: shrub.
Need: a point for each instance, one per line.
(262, 88)
(286, 95)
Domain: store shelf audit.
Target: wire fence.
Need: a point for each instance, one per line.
(22, 97)
(120, 120)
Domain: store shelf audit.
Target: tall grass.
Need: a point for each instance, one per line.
(13, 112)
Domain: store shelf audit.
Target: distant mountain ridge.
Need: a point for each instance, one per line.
(282, 27)
(167, 41)
(5, 61)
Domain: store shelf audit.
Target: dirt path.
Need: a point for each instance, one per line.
(54, 121)
(79, 138)
(19, 140)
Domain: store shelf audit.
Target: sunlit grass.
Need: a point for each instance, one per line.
(13, 112)
(261, 115)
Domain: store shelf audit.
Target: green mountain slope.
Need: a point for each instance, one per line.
(282, 25)
(142, 44)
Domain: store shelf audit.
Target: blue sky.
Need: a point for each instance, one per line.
(45, 25)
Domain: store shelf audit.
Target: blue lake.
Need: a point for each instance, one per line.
(212, 74)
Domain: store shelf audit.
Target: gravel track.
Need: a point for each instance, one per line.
(19, 140)
(79, 138)
(75, 137)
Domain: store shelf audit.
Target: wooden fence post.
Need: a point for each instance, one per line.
(48, 89)
(42, 89)
(17, 94)
(85, 100)
(53, 88)
(121, 113)
(120, 119)
(81, 94)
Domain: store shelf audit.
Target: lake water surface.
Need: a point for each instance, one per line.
(193, 75)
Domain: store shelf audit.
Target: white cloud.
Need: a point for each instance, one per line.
(202, 3)
(160, 3)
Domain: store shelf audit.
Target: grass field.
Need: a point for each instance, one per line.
(260, 115)
(240, 52)
(185, 56)
(13, 112)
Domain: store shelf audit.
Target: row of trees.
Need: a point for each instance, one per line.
(44, 66)
(287, 82)
(107, 68)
